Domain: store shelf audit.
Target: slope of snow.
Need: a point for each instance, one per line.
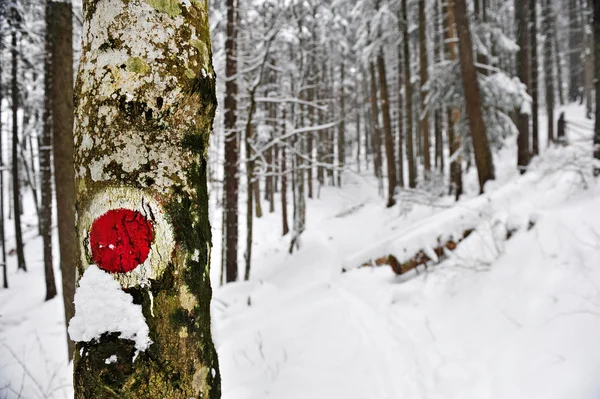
(499, 318)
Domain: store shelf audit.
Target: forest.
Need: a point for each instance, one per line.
(284, 198)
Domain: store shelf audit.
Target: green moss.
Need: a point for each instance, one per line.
(137, 65)
(171, 7)
(190, 74)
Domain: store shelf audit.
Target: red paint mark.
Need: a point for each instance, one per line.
(120, 240)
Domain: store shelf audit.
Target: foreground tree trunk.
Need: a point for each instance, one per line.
(143, 119)
(231, 179)
(61, 33)
(534, 78)
(424, 77)
(481, 146)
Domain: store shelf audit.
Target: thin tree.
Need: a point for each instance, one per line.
(2, 235)
(548, 16)
(231, 179)
(534, 78)
(575, 42)
(523, 71)
(45, 159)
(387, 129)
(597, 86)
(408, 94)
(156, 189)
(424, 77)
(15, 20)
(341, 142)
(481, 146)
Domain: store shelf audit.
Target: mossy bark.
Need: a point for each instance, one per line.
(144, 107)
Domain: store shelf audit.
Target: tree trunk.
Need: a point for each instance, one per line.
(588, 62)
(408, 94)
(61, 78)
(401, 112)
(523, 154)
(453, 116)
(575, 40)
(387, 130)
(2, 231)
(557, 60)
(481, 146)
(597, 86)
(341, 139)
(15, 145)
(376, 130)
(231, 172)
(284, 215)
(143, 120)
(424, 77)
(548, 70)
(534, 77)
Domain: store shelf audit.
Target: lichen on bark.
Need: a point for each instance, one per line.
(145, 102)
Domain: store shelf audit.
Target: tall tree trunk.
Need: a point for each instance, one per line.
(408, 95)
(424, 77)
(15, 145)
(141, 137)
(231, 172)
(61, 78)
(341, 138)
(588, 61)
(534, 77)
(387, 130)
(453, 116)
(376, 129)
(575, 42)
(45, 157)
(557, 60)
(523, 71)
(284, 190)
(438, 56)
(401, 127)
(2, 230)
(481, 146)
(597, 86)
(548, 70)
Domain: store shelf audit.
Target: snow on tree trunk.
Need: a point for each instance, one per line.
(144, 106)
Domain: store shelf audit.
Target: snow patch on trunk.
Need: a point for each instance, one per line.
(101, 306)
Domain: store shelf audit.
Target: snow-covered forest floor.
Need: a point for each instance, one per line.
(516, 318)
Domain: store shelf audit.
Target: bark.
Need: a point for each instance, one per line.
(387, 130)
(575, 41)
(376, 130)
(523, 71)
(548, 70)
(408, 94)
(453, 116)
(588, 61)
(61, 76)
(341, 142)
(401, 126)
(534, 77)
(231, 172)
(438, 54)
(284, 215)
(2, 231)
(143, 122)
(45, 158)
(424, 77)
(15, 145)
(557, 60)
(481, 146)
(597, 87)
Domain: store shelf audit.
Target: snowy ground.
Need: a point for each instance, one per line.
(499, 318)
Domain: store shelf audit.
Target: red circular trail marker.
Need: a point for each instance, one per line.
(120, 240)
